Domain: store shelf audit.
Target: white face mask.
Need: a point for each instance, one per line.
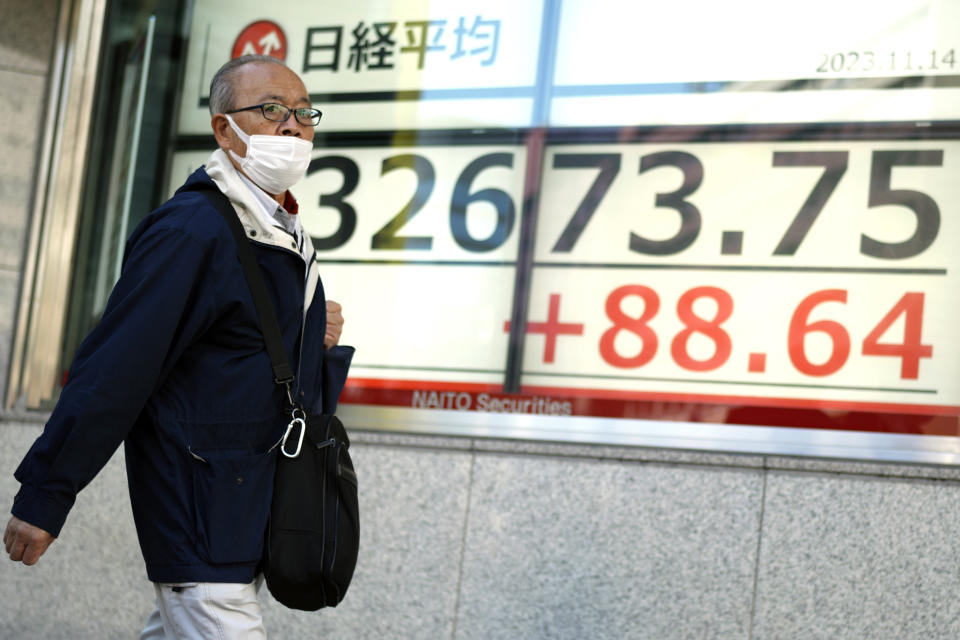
(274, 163)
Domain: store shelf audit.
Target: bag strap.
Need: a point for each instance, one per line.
(282, 372)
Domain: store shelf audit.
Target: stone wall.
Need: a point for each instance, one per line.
(465, 539)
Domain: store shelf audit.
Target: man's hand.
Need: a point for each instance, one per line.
(25, 542)
(334, 324)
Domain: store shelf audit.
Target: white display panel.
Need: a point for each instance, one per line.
(444, 65)
(379, 65)
(804, 272)
(754, 40)
(699, 214)
(751, 61)
(427, 271)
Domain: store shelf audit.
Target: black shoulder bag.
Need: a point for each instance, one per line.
(314, 532)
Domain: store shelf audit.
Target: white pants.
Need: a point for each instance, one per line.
(206, 611)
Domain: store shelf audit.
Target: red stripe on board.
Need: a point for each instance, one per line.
(355, 385)
(761, 401)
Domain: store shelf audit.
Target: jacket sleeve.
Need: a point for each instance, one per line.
(336, 364)
(163, 300)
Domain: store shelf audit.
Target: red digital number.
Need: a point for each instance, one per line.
(709, 328)
(638, 326)
(799, 328)
(911, 349)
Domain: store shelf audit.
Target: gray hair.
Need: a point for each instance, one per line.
(222, 98)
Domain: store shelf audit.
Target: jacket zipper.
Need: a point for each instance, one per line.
(303, 318)
(303, 328)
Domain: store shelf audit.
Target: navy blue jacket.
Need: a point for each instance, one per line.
(177, 370)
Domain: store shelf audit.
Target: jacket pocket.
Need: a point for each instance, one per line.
(231, 497)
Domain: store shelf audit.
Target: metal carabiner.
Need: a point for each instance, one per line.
(303, 429)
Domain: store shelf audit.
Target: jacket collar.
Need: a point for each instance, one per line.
(225, 176)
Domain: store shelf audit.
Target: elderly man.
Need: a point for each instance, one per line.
(177, 369)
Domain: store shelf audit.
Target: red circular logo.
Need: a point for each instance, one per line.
(261, 37)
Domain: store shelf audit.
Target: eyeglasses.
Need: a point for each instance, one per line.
(280, 113)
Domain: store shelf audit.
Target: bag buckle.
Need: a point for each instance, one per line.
(296, 421)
